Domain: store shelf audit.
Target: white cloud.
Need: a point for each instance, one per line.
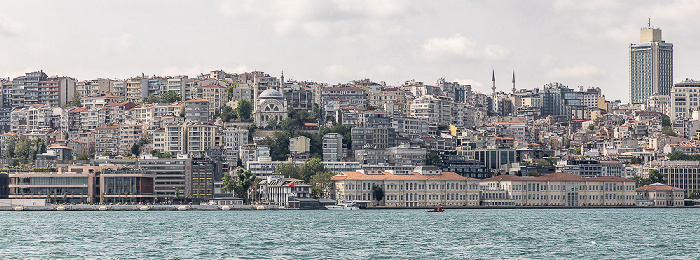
(586, 5)
(118, 43)
(547, 59)
(10, 27)
(578, 71)
(459, 47)
(476, 85)
(337, 72)
(341, 19)
(126, 40)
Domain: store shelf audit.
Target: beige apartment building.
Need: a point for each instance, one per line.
(427, 186)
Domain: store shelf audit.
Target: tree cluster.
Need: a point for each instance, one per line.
(681, 156)
(312, 172)
(228, 113)
(244, 109)
(668, 130)
(75, 102)
(23, 149)
(167, 97)
(289, 127)
(654, 177)
(240, 186)
(159, 154)
(136, 148)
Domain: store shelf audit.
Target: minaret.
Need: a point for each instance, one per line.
(256, 89)
(513, 82)
(493, 81)
(281, 82)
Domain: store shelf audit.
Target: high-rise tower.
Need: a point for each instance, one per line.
(651, 65)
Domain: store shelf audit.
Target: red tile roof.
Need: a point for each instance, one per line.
(657, 187)
(108, 127)
(445, 176)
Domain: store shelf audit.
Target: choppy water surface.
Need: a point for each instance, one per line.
(492, 233)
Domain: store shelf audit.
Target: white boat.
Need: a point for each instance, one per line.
(343, 206)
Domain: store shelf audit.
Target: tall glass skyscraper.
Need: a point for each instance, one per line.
(651, 66)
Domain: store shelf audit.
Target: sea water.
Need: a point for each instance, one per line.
(365, 234)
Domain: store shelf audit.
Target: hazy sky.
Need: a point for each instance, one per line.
(577, 43)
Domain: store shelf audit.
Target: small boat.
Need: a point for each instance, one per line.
(343, 206)
(438, 209)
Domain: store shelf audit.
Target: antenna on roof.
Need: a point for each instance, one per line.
(649, 22)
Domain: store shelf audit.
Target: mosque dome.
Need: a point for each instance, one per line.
(270, 94)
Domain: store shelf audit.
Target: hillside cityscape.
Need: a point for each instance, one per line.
(258, 138)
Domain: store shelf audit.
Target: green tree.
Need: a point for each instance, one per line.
(153, 98)
(289, 125)
(636, 160)
(244, 181)
(177, 192)
(322, 185)
(272, 124)
(656, 177)
(577, 150)
(279, 145)
(667, 130)
(288, 170)
(665, 120)
(310, 168)
(680, 156)
(170, 96)
(75, 102)
(227, 114)
(82, 157)
(227, 182)
(432, 158)
(244, 109)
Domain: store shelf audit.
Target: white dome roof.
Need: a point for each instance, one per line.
(271, 93)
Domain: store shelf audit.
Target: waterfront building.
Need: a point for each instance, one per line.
(125, 184)
(423, 187)
(651, 66)
(427, 186)
(279, 191)
(660, 195)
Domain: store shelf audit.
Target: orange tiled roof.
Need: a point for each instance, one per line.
(108, 127)
(445, 176)
(657, 187)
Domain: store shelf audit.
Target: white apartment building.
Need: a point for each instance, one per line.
(684, 99)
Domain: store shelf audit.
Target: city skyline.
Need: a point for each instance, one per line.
(572, 43)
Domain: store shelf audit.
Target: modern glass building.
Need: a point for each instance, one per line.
(651, 66)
